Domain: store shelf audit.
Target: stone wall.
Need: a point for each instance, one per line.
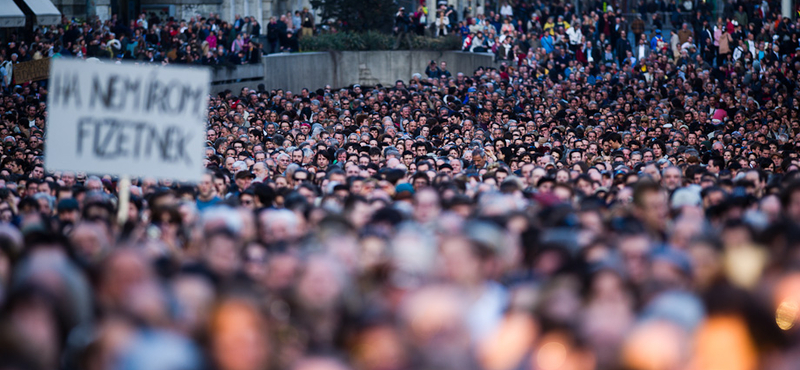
(340, 69)
(71, 8)
(186, 9)
(235, 79)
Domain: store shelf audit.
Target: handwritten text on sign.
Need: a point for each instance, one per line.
(126, 119)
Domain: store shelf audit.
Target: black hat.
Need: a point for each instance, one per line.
(244, 175)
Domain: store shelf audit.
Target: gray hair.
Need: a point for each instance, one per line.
(392, 152)
(51, 201)
(239, 166)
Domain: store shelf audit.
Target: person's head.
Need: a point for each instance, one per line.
(206, 187)
(331, 363)
(478, 158)
(68, 211)
(247, 199)
(297, 156)
(575, 156)
(37, 172)
(651, 206)
(790, 201)
(283, 161)
(236, 317)
(243, 180)
(93, 183)
(261, 171)
(715, 164)
(68, 178)
(671, 178)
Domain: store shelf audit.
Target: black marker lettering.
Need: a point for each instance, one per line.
(70, 91)
(132, 88)
(82, 133)
(139, 127)
(96, 141)
(106, 96)
(112, 139)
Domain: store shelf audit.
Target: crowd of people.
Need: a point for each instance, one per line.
(560, 211)
(150, 39)
(528, 33)
(198, 41)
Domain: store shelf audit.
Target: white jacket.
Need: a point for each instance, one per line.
(442, 23)
(575, 35)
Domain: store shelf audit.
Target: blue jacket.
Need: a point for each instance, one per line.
(547, 44)
(654, 42)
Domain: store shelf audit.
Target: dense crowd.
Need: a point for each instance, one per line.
(560, 211)
(521, 32)
(150, 39)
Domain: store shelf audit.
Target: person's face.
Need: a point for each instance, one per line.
(420, 183)
(283, 161)
(671, 179)
(793, 207)
(219, 184)
(541, 161)
(478, 160)
(260, 171)
(654, 210)
(562, 176)
(37, 173)
(322, 161)
(501, 176)
(205, 187)
(243, 183)
(33, 188)
(300, 177)
(297, 156)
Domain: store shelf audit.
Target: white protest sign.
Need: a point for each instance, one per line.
(126, 119)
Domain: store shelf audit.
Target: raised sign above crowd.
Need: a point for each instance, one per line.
(127, 119)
